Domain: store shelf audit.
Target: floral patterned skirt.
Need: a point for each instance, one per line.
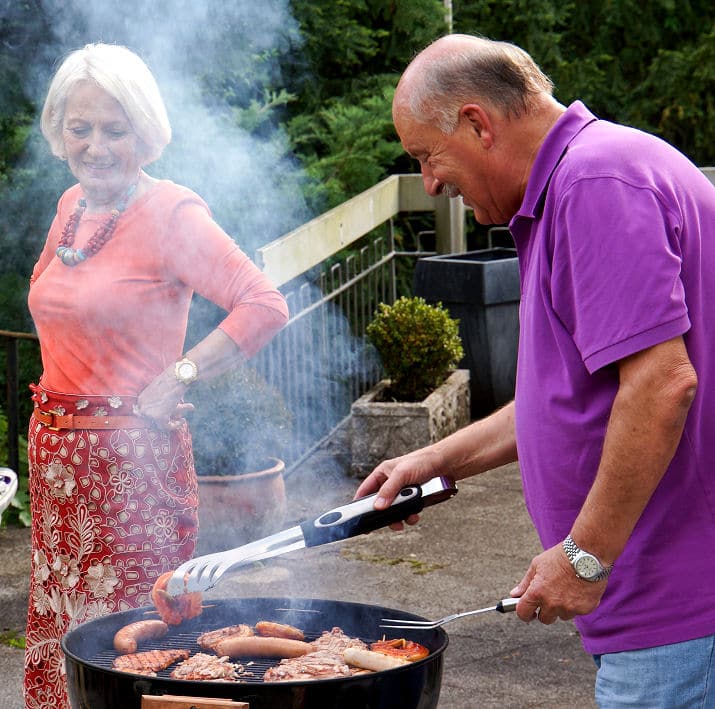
(111, 511)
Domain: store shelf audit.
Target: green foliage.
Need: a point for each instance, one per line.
(346, 42)
(12, 638)
(362, 144)
(644, 64)
(344, 74)
(239, 419)
(677, 99)
(418, 343)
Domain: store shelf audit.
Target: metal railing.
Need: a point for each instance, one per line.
(320, 361)
(333, 270)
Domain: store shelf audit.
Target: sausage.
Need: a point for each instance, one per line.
(270, 629)
(369, 660)
(127, 639)
(257, 646)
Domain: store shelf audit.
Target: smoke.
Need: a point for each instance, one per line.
(211, 59)
(218, 66)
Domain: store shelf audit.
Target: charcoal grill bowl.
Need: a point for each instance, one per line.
(93, 684)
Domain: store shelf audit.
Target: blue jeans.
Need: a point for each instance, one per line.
(678, 676)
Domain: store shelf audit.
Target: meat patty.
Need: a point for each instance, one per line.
(314, 665)
(325, 662)
(209, 639)
(207, 667)
(149, 662)
(337, 642)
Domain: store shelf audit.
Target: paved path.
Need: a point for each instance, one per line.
(465, 553)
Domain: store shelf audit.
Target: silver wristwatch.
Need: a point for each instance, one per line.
(586, 566)
(186, 371)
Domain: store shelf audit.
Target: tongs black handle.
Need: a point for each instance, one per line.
(360, 517)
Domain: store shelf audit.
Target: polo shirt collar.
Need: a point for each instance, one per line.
(567, 127)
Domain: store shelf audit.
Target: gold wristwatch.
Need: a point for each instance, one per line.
(186, 371)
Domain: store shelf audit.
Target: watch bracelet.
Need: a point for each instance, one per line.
(572, 549)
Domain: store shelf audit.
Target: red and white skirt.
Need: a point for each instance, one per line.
(111, 510)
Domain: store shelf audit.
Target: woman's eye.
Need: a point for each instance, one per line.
(79, 132)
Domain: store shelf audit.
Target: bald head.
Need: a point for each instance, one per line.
(460, 69)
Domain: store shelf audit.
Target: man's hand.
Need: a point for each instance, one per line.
(551, 590)
(392, 475)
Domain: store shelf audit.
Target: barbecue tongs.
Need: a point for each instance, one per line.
(357, 517)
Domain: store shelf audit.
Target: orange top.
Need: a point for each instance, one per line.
(112, 323)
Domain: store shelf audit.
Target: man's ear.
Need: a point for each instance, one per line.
(479, 121)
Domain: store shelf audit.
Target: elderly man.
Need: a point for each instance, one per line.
(613, 422)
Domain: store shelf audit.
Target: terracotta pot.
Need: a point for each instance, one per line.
(236, 509)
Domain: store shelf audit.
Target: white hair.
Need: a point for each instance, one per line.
(125, 77)
(499, 73)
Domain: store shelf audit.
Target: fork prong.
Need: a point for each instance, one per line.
(409, 621)
(428, 626)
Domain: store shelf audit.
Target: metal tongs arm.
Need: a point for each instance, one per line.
(350, 520)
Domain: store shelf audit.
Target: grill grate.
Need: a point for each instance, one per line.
(254, 668)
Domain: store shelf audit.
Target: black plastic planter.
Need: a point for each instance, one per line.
(481, 288)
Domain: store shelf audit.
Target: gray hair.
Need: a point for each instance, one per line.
(498, 73)
(125, 77)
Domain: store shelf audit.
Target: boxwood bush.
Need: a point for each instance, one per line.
(419, 345)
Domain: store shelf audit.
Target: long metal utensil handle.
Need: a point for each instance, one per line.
(506, 605)
(360, 517)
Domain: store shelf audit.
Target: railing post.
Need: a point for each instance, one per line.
(449, 225)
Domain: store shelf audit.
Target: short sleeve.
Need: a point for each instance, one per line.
(617, 265)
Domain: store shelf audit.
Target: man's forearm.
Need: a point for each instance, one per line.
(481, 446)
(645, 428)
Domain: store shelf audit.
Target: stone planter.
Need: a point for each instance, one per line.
(386, 429)
(245, 506)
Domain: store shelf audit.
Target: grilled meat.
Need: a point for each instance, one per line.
(325, 662)
(174, 609)
(337, 642)
(209, 639)
(314, 665)
(149, 662)
(207, 667)
(269, 629)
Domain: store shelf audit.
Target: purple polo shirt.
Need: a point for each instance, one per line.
(616, 245)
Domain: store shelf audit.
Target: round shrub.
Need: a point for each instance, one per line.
(419, 345)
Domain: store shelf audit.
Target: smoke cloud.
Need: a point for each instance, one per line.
(249, 180)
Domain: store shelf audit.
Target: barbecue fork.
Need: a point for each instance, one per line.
(504, 606)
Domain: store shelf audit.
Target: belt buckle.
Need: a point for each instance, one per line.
(54, 413)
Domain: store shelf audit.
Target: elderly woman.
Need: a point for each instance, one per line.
(112, 480)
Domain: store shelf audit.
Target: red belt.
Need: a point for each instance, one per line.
(72, 421)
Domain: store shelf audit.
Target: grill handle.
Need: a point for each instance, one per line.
(167, 701)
